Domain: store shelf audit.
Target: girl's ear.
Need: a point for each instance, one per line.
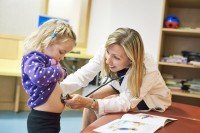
(44, 47)
(51, 43)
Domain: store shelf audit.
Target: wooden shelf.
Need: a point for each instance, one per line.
(185, 38)
(182, 32)
(184, 3)
(184, 93)
(79, 53)
(178, 65)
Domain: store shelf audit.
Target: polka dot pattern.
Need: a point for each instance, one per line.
(39, 77)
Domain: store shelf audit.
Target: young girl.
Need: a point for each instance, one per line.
(41, 73)
(140, 85)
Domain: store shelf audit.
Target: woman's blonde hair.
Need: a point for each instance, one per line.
(132, 43)
(48, 32)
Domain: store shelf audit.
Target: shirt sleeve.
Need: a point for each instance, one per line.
(39, 74)
(124, 102)
(84, 75)
(155, 92)
(120, 103)
(150, 64)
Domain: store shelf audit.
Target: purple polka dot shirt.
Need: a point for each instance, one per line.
(39, 77)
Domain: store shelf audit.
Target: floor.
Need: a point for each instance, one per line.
(71, 120)
(11, 122)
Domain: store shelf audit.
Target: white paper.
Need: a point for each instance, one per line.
(134, 123)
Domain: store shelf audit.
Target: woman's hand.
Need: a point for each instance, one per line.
(77, 102)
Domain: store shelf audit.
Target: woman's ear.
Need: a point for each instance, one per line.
(130, 64)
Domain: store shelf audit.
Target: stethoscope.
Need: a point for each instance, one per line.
(105, 83)
(67, 96)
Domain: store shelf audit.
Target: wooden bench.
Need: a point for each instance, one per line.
(10, 62)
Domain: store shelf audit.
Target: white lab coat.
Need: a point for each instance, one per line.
(153, 91)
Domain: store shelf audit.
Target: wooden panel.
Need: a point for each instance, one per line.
(9, 46)
(181, 32)
(184, 3)
(161, 52)
(84, 24)
(176, 44)
(180, 72)
(183, 93)
(23, 100)
(10, 67)
(185, 38)
(23, 95)
(189, 17)
(6, 106)
(7, 89)
(8, 49)
(178, 65)
(7, 92)
(79, 53)
(23, 106)
(188, 100)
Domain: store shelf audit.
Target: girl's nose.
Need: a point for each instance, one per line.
(62, 57)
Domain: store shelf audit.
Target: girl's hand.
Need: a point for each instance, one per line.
(54, 62)
(64, 72)
(77, 102)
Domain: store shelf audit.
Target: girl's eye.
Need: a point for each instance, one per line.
(62, 52)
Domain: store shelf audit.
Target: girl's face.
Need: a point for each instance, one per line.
(58, 49)
(116, 58)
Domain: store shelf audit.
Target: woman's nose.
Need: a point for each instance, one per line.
(107, 60)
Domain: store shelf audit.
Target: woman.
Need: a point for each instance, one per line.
(140, 85)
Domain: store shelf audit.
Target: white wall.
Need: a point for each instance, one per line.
(67, 9)
(142, 15)
(19, 17)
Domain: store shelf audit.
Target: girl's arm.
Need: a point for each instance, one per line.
(39, 73)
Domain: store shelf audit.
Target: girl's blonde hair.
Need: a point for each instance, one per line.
(48, 32)
(132, 43)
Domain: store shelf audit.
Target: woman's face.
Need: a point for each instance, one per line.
(116, 58)
(58, 49)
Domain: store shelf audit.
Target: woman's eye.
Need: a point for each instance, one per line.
(117, 58)
(107, 53)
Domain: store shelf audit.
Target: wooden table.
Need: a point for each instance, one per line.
(188, 119)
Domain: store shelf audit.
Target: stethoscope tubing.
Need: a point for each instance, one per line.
(103, 85)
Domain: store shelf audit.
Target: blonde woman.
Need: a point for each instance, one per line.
(140, 85)
(41, 73)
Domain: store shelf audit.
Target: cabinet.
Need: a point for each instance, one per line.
(185, 38)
